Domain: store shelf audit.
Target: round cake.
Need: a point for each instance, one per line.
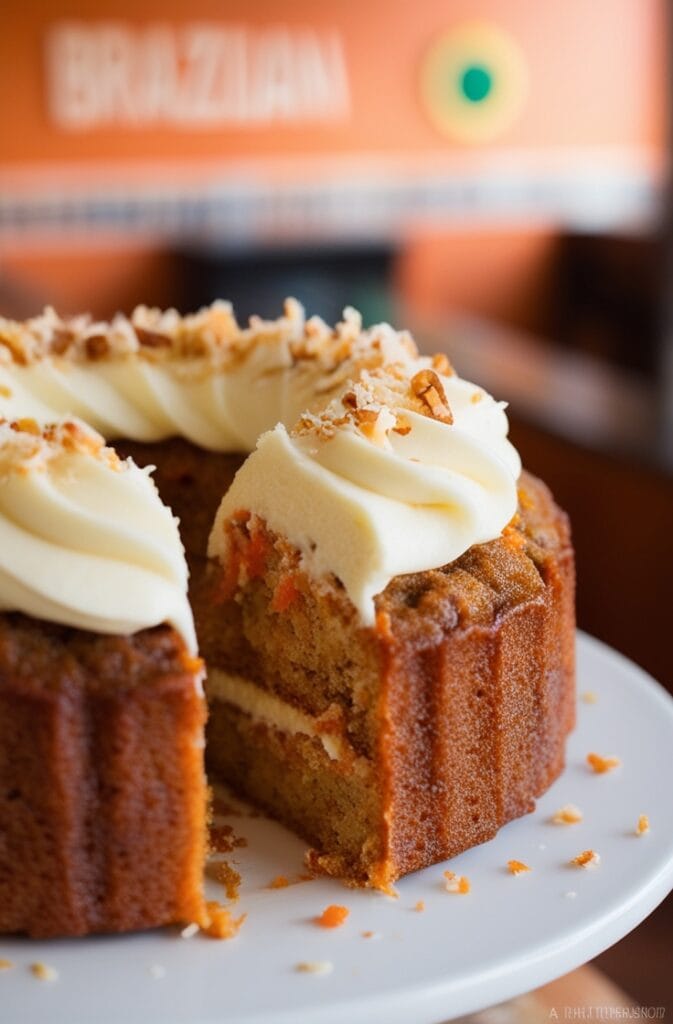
(384, 601)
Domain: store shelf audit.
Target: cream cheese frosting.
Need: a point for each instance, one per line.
(85, 540)
(202, 377)
(403, 471)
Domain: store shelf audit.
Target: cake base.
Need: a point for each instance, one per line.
(102, 789)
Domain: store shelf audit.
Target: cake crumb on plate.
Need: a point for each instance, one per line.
(332, 916)
(586, 859)
(517, 867)
(590, 697)
(602, 764)
(643, 826)
(5, 964)
(456, 883)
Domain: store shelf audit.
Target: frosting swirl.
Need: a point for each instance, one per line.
(404, 471)
(85, 540)
(202, 377)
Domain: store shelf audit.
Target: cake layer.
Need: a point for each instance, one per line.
(334, 804)
(461, 697)
(102, 789)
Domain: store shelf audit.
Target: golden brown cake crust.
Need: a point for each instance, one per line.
(466, 687)
(102, 792)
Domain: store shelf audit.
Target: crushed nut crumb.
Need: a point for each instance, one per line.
(44, 972)
(427, 386)
(315, 967)
(456, 883)
(567, 815)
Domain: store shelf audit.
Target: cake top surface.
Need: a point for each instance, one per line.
(85, 539)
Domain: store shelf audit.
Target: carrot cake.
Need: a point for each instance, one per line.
(383, 600)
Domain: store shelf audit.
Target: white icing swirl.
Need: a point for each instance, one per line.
(85, 540)
(368, 508)
(219, 389)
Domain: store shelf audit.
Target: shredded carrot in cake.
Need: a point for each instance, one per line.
(256, 554)
(586, 859)
(602, 764)
(567, 815)
(383, 626)
(420, 906)
(332, 916)
(285, 594)
(517, 867)
(643, 826)
(456, 883)
(219, 922)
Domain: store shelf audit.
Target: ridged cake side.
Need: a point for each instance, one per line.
(102, 790)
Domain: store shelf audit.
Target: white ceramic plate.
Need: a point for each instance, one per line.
(464, 952)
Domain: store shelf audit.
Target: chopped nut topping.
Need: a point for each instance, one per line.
(601, 764)
(441, 364)
(97, 346)
(586, 859)
(44, 972)
(426, 385)
(517, 867)
(567, 815)
(315, 967)
(456, 883)
(643, 826)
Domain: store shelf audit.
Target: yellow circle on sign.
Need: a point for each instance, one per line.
(474, 82)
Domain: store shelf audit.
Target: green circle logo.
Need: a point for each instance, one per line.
(474, 82)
